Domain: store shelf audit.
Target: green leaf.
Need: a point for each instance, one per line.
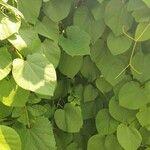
(117, 16)
(30, 9)
(26, 41)
(120, 113)
(96, 142)
(4, 110)
(147, 2)
(37, 110)
(145, 136)
(132, 96)
(103, 85)
(11, 94)
(143, 31)
(38, 137)
(69, 65)
(119, 44)
(51, 51)
(128, 137)
(105, 124)
(90, 93)
(109, 65)
(112, 142)
(141, 13)
(141, 63)
(48, 28)
(9, 139)
(36, 74)
(98, 11)
(143, 117)
(5, 62)
(84, 19)
(76, 43)
(69, 119)
(100, 1)
(89, 70)
(57, 10)
(8, 26)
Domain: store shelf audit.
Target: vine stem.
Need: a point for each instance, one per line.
(27, 117)
(133, 50)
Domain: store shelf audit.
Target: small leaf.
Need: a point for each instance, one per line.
(119, 44)
(120, 113)
(76, 43)
(112, 142)
(128, 137)
(5, 62)
(143, 117)
(57, 10)
(141, 62)
(51, 51)
(143, 31)
(69, 119)
(132, 96)
(48, 28)
(96, 142)
(69, 65)
(105, 124)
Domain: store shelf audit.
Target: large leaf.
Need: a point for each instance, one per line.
(8, 26)
(132, 96)
(57, 10)
(11, 94)
(36, 74)
(39, 136)
(69, 119)
(105, 124)
(5, 62)
(128, 137)
(76, 43)
(147, 2)
(117, 16)
(9, 139)
(30, 9)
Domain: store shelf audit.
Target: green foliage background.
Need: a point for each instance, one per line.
(74, 74)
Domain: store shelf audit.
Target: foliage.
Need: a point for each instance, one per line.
(74, 74)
